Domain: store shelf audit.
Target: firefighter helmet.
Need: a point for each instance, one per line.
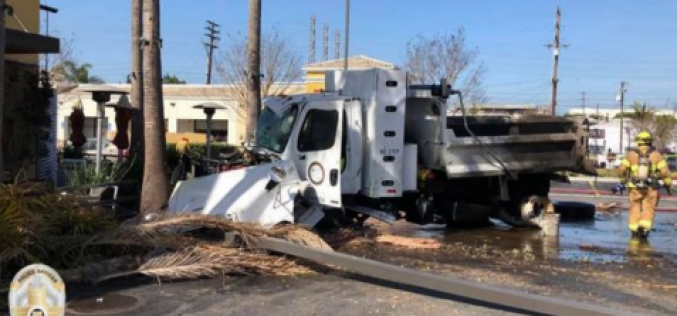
(644, 138)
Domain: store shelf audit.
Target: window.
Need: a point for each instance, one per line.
(596, 150)
(273, 131)
(219, 129)
(89, 129)
(597, 133)
(318, 131)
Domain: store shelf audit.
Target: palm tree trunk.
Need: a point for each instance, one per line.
(136, 148)
(2, 88)
(155, 187)
(253, 67)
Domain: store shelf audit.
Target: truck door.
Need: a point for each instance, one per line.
(318, 149)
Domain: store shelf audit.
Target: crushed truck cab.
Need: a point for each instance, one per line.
(376, 146)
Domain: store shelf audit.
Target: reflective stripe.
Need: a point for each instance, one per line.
(662, 164)
(633, 227)
(646, 224)
(625, 162)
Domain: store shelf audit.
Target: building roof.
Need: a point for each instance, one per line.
(193, 91)
(506, 106)
(355, 62)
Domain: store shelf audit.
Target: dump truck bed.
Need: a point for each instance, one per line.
(521, 145)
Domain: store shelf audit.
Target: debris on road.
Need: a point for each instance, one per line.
(607, 207)
(410, 242)
(163, 249)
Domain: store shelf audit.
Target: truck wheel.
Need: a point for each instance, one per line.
(333, 219)
(421, 212)
(575, 211)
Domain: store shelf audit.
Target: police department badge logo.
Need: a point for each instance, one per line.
(37, 290)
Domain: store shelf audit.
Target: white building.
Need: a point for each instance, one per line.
(500, 109)
(605, 136)
(610, 113)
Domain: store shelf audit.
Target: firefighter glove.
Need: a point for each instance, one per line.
(668, 182)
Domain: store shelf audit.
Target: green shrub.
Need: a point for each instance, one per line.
(198, 151)
(38, 225)
(87, 175)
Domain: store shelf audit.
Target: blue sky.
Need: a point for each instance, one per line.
(611, 41)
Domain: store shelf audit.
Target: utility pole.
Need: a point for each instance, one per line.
(337, 44)
(555, 67)
(621, 97)
(325, 43)
(213, 36)
(598, 117)
(345, 45)
(583, 99)
(311, 49)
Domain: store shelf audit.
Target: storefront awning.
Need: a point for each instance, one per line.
(19, 42)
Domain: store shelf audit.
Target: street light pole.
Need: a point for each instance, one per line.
(210, 113)
(99, 137)
(347, 31)
(209, 108)
(622, 97)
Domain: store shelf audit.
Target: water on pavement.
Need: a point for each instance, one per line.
(605, 239)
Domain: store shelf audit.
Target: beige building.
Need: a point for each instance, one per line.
(315, 71)
(181, 119)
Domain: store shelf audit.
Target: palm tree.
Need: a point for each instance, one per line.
(253, 67)
(155, 186)
(71, 72)
(664, 130)
(2, 86)
(136, 81)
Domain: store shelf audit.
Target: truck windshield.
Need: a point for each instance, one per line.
(273, 131)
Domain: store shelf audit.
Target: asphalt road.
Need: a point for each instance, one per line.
(590, 261)
(335, 293)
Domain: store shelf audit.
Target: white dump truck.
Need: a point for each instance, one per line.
(373, 145)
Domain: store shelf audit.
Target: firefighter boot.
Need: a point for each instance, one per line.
(641, 233)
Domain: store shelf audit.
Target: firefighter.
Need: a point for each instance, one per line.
(641, 171)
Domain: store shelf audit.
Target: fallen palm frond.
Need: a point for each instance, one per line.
(246, 231)
(86, 244)
(178, 256)
(191, 263)
(306, 238)
(188, 264)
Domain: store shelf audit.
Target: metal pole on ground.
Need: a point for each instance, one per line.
(494, 296)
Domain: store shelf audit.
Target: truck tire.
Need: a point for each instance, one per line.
(575, 211)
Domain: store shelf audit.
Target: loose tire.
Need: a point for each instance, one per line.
(575, 211)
